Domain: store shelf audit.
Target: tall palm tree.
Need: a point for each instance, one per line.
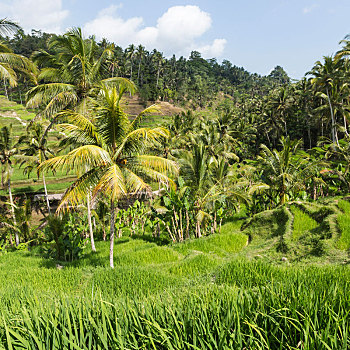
(70, 74)
(8, 27)
(9, 61)
(113, 152)
(279, 103)
(326, 78)
(35, 151)
(158, 59)
(8, 152)
(130, 54)
(304, 99)
(285, 171)
(140, 53)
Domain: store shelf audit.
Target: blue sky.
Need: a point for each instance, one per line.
(255, 34)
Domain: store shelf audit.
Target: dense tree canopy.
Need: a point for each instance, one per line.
(242, 139)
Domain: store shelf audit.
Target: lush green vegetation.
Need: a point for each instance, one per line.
(302, 223)
(344, 221)
(179, 297)
(228, 222)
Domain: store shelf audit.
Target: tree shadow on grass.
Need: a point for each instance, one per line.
(88, 259)
(161, 241)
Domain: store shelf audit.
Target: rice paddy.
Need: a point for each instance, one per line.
(200, 294)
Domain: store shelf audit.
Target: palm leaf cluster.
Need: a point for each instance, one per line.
(71, 69)
(110, 152)
(286, 171)
(10, 63)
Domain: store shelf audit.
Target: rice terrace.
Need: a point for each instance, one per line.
(155, 195)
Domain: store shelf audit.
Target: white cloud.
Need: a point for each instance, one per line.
(215, 49)
(177, 31)
(46, 15)
(309, 9)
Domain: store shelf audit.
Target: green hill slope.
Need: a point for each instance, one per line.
(302, 231)
(199, 294)
(19, 117)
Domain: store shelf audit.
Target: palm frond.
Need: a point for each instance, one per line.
(146, 112)
(134, 183)
(153, 175)
(54, 96)
(8, 27)
(77, 192)
(160, 164)
(78, 122)
(7, 73)
(111, 183)
(122, 84)
(137, 140)
(17, 61)
(84, 157)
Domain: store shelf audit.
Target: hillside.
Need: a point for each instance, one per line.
(198, 294)
(301, 232)
(17, 115)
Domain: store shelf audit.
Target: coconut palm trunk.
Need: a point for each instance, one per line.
(138, 72)
(131, 63)
(334, 132)
(5, 88)
(13, 210)
(93, 248)
(345, 125)
(46, 195)
(158, 73)
(111, 247)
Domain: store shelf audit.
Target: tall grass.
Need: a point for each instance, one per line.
(177, 297)
(246, 305)
(344, 225)
(302, 223)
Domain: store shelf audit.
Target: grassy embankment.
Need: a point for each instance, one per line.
(19, 117)
(201, 294)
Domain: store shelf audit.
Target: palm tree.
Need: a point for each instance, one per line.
(35, 150)
(195, 165)
(113, 152)
(279, 103)
(8, 27)
(130, 53)
(9, 61)
(158, 59)
(304, 100)
(326, 78)
(285, 171)
(140, 53)
(345, 50)
(74, 72)
(8, 152)
(70, 74)
(21, 221)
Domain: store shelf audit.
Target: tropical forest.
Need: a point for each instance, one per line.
(168, 202)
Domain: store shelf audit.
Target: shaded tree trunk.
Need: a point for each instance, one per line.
(138, 72)
(345, 125)
(158, 72)
(334, 132)
(131, 71)
(5, 88)
(46, 196)
(13, 211)
(111, 247)
(93, 248)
